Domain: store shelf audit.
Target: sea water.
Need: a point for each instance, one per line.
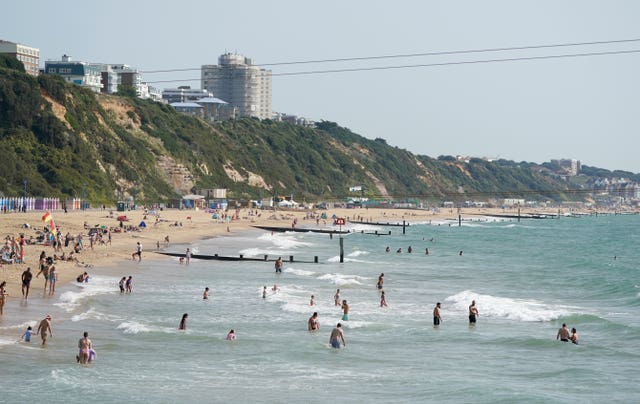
(527, 278)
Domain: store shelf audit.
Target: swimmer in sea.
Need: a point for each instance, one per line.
(313, 324)
(336, 298)
(383, 301)
(312, 301)
(84, 345)
(231, 336)
(473, 312)
(563, 333)
(574, 336)
(337, 336)
(183, 322)
(264, 292)
(205, 294)
(345, 311)
(275, 288)
(437, 318)
(380, 281)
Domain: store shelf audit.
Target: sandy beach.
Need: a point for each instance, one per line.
(180, 226)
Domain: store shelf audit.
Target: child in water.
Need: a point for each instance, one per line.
(231, 336)
(27, 334)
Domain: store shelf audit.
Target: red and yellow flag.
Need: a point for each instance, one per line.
(46, 217)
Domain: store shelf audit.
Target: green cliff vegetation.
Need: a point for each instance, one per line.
(62, 139)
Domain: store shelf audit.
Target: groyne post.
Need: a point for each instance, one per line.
(341, 250)
(459, 220)
(403, 227)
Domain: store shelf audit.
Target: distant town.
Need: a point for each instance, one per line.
(233, 88)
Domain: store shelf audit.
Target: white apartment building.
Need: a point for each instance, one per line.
(236, 80)
(79, 73)
(30, 57)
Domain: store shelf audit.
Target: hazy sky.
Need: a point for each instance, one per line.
(585, 108)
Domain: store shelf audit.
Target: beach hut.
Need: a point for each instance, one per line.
(193, 201)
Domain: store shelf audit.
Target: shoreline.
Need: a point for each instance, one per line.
(192, 225)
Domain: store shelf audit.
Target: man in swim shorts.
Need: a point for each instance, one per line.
(336, 336)
(345, 311)
(313, 324)
(473, 312)
(43, 328)
(84, 345)
(563, 334)
(437, 318)
(26, 282)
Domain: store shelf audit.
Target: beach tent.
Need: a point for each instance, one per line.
(287, 204)
(142, 224)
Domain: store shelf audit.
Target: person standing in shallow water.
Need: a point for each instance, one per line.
(345, 311)
(437, 317)
(337, 336)
(563, 333)
(473, 312)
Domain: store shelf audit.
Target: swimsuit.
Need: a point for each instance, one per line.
(335, 343)
(345, 317)
(436, 321)
(472, 318)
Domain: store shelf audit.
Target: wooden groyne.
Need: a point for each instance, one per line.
(381, 223)
(300, 230)
(240, 257)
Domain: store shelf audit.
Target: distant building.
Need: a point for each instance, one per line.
(293, 119)
(184, 94)
(29, 56)
(216, 109)
(242, 84)
(79, 73)
(112, 76)
(189, 108)
(569, 166)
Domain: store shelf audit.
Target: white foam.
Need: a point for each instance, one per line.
(357, 253)
(504, 307)
(133, 327)
(299, 272)
(7, 341)
(284, 241)
(97, 285)
(21, 326)
(342, 279)
(347, 259)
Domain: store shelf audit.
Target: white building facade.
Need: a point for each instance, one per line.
(29, 56)
(236, 80)
(79, 73)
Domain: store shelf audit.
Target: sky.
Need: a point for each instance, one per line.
(585, 108)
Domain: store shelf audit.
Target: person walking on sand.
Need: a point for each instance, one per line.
(183, 322)
(138, 252)
(383, 300)
(84, 349)
(437, 317)
(345, 311)
(473, 312)
(336, 298)
(313, 324)
(53, 278)
(563, 333)
(44, 329)
(44, 270)
(27, 275)
(337, 336)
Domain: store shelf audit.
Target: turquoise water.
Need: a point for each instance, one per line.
(527, 278)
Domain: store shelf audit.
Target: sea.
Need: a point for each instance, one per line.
(527, 278)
